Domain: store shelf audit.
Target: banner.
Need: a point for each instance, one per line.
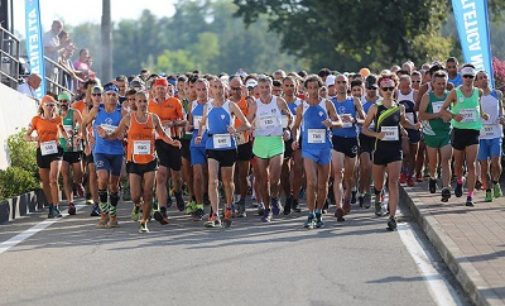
(34, 45)
(473, 28)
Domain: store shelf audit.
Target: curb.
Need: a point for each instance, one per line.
(463, 270)
(22, 205)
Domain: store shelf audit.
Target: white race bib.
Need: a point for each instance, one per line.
(221, 141)
(108, 128)
(316, 136)
(410, 117)
(391, 133)
(48, 148)
(346, 124)
(469, 115)
(196, 122)
(268, 122)
(284, 121)
(437, 106)
(141, 147)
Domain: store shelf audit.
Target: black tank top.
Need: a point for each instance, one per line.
(388, 120)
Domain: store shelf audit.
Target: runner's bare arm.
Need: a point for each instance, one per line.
(368, 120)
(161, 133)
(360, 118)
(295, 131)
(283, 106)
(123, 127)
(336, 122)
(423, 106)
(406, 124)
(245, 126)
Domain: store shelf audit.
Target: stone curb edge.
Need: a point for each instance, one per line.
(22, 205)
(463, 270)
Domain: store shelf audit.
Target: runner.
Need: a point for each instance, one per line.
(48, 126)
(437, 130)
(239, 95)
(467, 115)
(407, 97)
(268, 146)
(141, 160)
(169, 110)
(316, 115)
(198, 154)
(491, 136)
(452, 70)
(345, 146)
(366, 145)
(388, 116)
(107, 154)
(72, 150)
(218, 120)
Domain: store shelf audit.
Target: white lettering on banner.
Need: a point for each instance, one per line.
(48, 148)
(142, 147)
(391, 133)
(472, 34)
(221, 141)
(316, 136)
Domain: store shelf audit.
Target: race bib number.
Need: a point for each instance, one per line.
(437, 106)
(469, 115)
(268, 122)
(108, 128)
(196, 122)
(410, 117)
(284, 122)
(316, 136)
(142, 147)
(48, 148)
(221, 141)
(347, 124)
(391, 133)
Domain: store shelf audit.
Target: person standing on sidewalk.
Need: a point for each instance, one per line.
(491, 136)
(436, 132)
(466, 113)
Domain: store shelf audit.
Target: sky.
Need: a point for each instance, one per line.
(75, 12)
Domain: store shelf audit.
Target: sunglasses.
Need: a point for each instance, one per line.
(235, 88)
(142, 100)
(371, 88)
(468, 76)
(96, 94)
(416, 81)
(388, 88)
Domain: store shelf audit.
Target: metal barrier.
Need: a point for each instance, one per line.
(59, 79)
(9, 58)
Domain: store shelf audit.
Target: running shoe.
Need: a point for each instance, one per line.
(287, 205)
(469, 202)
(353, 196)
(497, 190)
(489, 196)
(403, 178)
(339, 213)
(319, 220)
(135, 214)
(112, 222)
(190, 208)
(155, 205)
(347, 206)
(54, 212)
(458, 192)
(261, 209)
(276, 209)
(295, 206)
(143, 228)
(367, 200)
(227, 217)
(378, 208)
(241, 213)
(392, 224)
(95, 210)
(326, 206)
(71, 209)
(213, 222)
(410, 181)
(267, 216)
(478, 185)
(199, 213)
(419, 178)
(310, 224)
(104, 219)
(433, 185)
(90, 202)
(161, 216)
(446, 194)
(361, 199)
(180, 200)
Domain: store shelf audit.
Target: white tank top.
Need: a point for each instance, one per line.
(268, 118)
(491, 128)
(407, 97)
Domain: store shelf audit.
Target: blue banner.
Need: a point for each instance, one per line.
(473, 28)
(34, 45)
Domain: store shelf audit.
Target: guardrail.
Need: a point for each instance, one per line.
(9, 58)
(60, 75)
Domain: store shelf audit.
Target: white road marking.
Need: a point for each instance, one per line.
(12, 242)
(440, 289)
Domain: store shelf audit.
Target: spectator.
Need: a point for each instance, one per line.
(70, 72)
(52, 46)
(82, 66)
(31, 84)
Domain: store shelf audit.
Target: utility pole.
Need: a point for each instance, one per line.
(106, 29)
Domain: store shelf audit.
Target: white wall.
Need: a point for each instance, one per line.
(16, 111)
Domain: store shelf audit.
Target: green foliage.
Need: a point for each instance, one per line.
(15, 181)
(22, 153)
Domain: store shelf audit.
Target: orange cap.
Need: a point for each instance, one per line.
(47, 99)
(160, 82)
(364, 72)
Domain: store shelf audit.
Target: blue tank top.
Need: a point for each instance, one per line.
(218, 121)
(109, 122)
(197, 113)
(457, 81)
(293, 106)
(315, 135)
(345, 107)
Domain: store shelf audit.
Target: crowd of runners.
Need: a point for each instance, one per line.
(208, 142)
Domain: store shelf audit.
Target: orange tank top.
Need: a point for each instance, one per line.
(141, 140)
(243, 137)
(47, 129)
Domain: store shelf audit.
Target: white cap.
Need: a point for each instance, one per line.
(468, 71)
(330, 80)
(251, 83)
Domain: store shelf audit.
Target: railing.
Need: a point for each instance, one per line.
(9, 58)
(59, 79)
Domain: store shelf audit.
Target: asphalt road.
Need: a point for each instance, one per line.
(355, 263)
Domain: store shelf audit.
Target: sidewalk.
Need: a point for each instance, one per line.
(471, 240)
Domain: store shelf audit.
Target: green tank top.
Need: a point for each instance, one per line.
(469, 107)
(70, 128)
(437, 126)
(186, 105)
